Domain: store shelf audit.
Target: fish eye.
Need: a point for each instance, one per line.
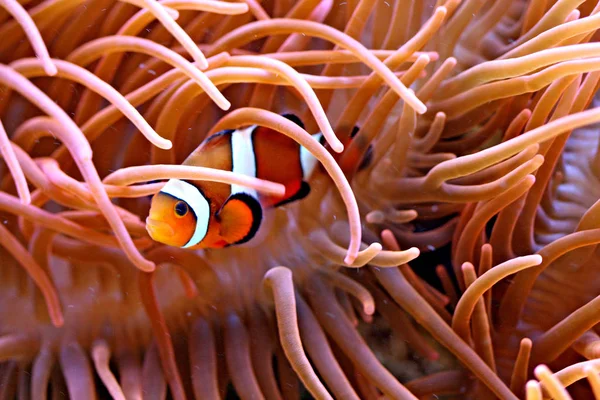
(181, 209)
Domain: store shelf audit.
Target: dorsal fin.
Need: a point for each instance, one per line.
(218, 134)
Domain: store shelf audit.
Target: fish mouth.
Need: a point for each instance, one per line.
(158, 230)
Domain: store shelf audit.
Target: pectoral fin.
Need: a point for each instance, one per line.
(240, 218)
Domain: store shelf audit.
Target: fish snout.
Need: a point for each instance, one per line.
(159, 231)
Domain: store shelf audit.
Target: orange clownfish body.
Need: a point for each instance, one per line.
(200, 214)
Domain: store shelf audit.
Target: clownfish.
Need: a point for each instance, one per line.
(202, 214)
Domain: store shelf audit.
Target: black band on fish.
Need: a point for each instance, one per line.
(294, 119)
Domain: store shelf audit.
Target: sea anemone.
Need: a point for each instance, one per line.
(480, 159)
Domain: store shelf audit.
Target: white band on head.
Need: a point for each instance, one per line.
(243, 158)
(196, 201)
(307, 159)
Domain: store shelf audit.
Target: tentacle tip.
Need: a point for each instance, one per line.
(467, 266)
(146, 266)
(278, 190)
(426, 59)
(374, 247)
(202, 64)
(369, 309)
(164, 144)
(541, 370)
(50, 69)
(337, 146)
(529, 180)
(434, 56)
(420, 108)
(277, 271)
(387, 234)
(441, 10)
(350, 258)
(58, 320)
(413, 252)
(537, 259)
(532, 385)
(373, 218)
(224, 104)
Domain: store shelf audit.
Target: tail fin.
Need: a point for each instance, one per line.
(357, 154)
